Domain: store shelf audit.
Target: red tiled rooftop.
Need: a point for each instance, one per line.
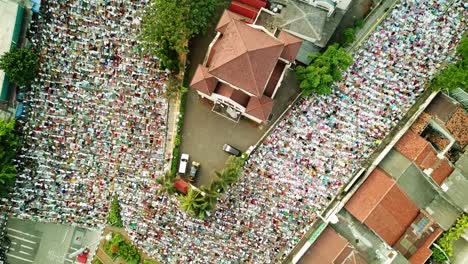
(181, 186)
(325, 249)
(393, 215)
(293, 44)
(368, 196)
(203, 81)
(260, 108)
(382, 206)
(245, 57)
(411, 145)
(442, 172)
(226, 18)
(427, 157)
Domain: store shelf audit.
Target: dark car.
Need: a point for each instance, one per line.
(231, 150)
(194, 169)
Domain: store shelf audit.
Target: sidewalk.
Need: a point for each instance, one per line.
(172, 118)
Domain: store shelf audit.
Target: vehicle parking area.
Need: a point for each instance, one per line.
(205, 132)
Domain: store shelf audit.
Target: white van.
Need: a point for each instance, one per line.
(184, 159)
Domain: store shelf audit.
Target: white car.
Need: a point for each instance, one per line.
(184, 159)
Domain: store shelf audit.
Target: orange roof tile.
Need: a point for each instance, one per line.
(203, 81)
(226, 18)
(410, 145)
(427, 157)
(293, 44)
(245, 57)
(392, 216)
(260, 108)
(325, 249)
(442, 172)
(368, 196)
(181, 186)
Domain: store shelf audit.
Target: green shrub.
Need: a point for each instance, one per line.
(453, 234)
(358, 24)
(128, 252)
(349, 36)
(119, 247)
(114, 215)
(437, 255)
(149, 262)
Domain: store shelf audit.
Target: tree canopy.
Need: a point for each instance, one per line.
(169, 24)
(115, 219)
(8, 146)
(456, 74)
(462, 48)
(453, 77)
(20, 65)
(324, 70)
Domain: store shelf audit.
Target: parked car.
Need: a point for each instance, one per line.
(194, 169)
(231, 150)
(184, 159)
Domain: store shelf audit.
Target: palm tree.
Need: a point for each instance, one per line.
(167, 183)
(190, 203)
(219, 186)
(228, 176)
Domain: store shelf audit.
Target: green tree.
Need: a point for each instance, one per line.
(174, 88)
(456, 74)
(219, 186)
(191, 201)
(167, 183)
(20, 65)
(128, 252)
(462, 48)
(446, 240)
(115, 219)
(453, 77)
(8, 147)
(169, 24)
(324, 70)
(202, 15)
(438, 255)
(349, 36)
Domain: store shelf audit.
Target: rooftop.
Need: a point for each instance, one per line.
(330, 247)
(383, 206)
(244, 56)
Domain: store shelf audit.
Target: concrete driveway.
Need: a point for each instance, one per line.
(205, 132)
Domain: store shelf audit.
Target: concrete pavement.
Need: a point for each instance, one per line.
(46, 243)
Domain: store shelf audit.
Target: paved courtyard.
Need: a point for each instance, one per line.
(205, 132)
(45, 243)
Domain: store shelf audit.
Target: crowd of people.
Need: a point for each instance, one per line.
(312, 153)
(95, 115)
(96, 126)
